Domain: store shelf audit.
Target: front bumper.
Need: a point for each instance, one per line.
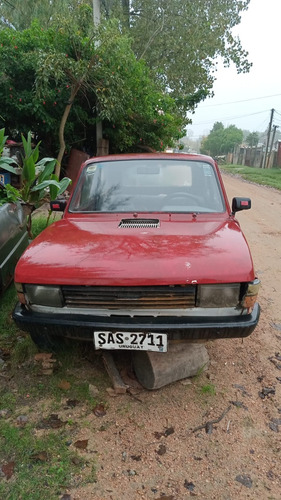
(192, 328)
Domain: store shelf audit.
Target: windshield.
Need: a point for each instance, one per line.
(148, 185)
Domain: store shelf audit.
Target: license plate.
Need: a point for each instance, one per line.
(131, 341)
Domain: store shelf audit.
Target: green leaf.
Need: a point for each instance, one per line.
(47, 165)
(45, 185)
(54, 189)
(44, 161)
(64, 183)
(9, 194)
(28, 169)
(27, 144)
(3, 139)
(35, 153)
(5, 164)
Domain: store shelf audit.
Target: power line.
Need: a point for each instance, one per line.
(243, 100)
(262, 125)
(228, 118)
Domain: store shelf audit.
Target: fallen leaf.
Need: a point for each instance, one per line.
(64, 385)
(167, 432)
(270, 475)
(137, 458)
(43, 356)
(46, 362)
(266, 391)
(238, 404)
(72, 403)
(76, 460)
(189, 485)
(8, 469)
(245, 480)
(158, 435)
(99, 410)
(274, 424)
(6, 413)
(5, 353)
(53, 422)
(81, 444)
(22, 420)
(41, 456)
(162, 449)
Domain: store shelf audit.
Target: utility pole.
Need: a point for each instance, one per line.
(271, 144)
(96, 12)
(264, 163)
(96, 19)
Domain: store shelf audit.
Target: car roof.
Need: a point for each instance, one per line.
(151, 156)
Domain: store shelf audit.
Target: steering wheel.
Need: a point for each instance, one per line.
(180, 197)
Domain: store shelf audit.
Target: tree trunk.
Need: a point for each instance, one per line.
(126, 12)
(75, 88)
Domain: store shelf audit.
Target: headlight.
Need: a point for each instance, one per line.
(44, 295)
(218, 295)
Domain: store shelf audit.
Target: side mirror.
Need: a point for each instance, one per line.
(240, 204)
(58, 205)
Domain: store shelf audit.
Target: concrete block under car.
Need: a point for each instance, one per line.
(154, 370)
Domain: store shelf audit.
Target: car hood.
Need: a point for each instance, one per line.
(182, 250)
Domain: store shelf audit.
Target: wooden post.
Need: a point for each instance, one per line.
(268, 138)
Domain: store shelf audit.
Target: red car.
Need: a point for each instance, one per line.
(148, 251)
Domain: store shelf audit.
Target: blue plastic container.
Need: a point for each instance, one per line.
(5, 177)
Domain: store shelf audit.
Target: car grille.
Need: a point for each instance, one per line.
(144, 297)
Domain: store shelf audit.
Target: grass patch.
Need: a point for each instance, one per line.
(208, 389)
(200, 371)
(8, 329)
(56, 387)
(8, 400)
(23, 350)
(27, 392)
(43, 466)
(17, 346)
(40, 222)
(264, 176)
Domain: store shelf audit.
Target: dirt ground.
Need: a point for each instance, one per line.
(146, 446)
(156, 444)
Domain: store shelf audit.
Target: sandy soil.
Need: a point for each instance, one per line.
(146, 446)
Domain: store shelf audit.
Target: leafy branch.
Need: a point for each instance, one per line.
(39, 183)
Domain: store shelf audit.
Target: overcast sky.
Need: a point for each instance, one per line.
(260, 90)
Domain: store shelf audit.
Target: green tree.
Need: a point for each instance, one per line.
(221, 140)
(20, 14)
(252, 139)
(58, 83)
(180, 41)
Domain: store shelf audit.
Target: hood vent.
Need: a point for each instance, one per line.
(139, 223)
